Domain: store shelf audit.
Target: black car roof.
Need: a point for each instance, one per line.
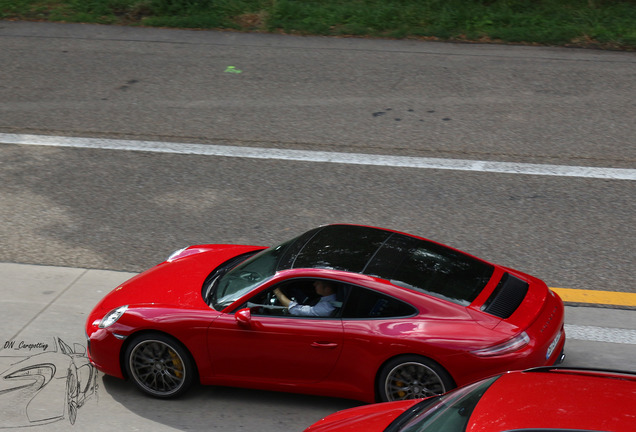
(402, 259)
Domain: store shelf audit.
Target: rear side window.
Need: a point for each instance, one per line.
(364, 303)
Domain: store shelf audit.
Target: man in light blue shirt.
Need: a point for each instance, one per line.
(323, 308)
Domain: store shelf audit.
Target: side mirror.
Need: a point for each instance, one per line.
(243, 317)
(79, 349)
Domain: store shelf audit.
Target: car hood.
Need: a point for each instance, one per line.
(176, 282)
(7, 363)
(368, 418)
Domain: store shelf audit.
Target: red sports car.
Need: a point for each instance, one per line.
(342, 310)
(541, 399)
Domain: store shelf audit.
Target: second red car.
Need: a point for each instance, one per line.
(541, 399)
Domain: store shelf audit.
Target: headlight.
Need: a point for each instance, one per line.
(512, 345)
(111, 317)
(40, 375)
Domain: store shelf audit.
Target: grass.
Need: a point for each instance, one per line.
(605, 24)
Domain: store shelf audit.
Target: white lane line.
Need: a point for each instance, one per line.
(600, 334)
(320, 156)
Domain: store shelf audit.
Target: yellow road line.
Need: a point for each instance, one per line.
(596, 297)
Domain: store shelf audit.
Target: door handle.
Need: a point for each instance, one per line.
(324, 345)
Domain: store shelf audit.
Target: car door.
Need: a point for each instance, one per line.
(250, 345)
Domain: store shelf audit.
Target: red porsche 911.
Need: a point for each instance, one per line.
(342, 310)
(536, 400)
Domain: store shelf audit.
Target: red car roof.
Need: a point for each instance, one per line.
(568, 399)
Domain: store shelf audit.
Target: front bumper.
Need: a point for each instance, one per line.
(103, 349)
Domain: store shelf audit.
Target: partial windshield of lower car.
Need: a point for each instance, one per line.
(247, 276)
(451, 412)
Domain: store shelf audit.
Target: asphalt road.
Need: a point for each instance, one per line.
(125, 211)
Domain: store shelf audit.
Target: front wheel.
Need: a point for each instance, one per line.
(412, 377)
(159, 365)
(72, 396)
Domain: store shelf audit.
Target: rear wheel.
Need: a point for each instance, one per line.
(159, 365)
(412, 377)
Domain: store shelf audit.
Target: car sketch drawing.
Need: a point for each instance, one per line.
(44, 387)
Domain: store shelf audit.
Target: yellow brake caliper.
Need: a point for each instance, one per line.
(176, 361)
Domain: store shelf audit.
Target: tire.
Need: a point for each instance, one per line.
(159, 365)
(412, 377)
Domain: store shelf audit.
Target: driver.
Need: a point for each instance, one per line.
(324, 307)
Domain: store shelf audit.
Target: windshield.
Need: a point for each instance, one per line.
(246, 276)
(451, 411)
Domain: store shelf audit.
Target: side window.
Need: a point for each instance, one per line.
(305, 294)
(365, 303)
(265, 303)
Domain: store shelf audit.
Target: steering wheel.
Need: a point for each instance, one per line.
(271, 298)
(250, 276)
